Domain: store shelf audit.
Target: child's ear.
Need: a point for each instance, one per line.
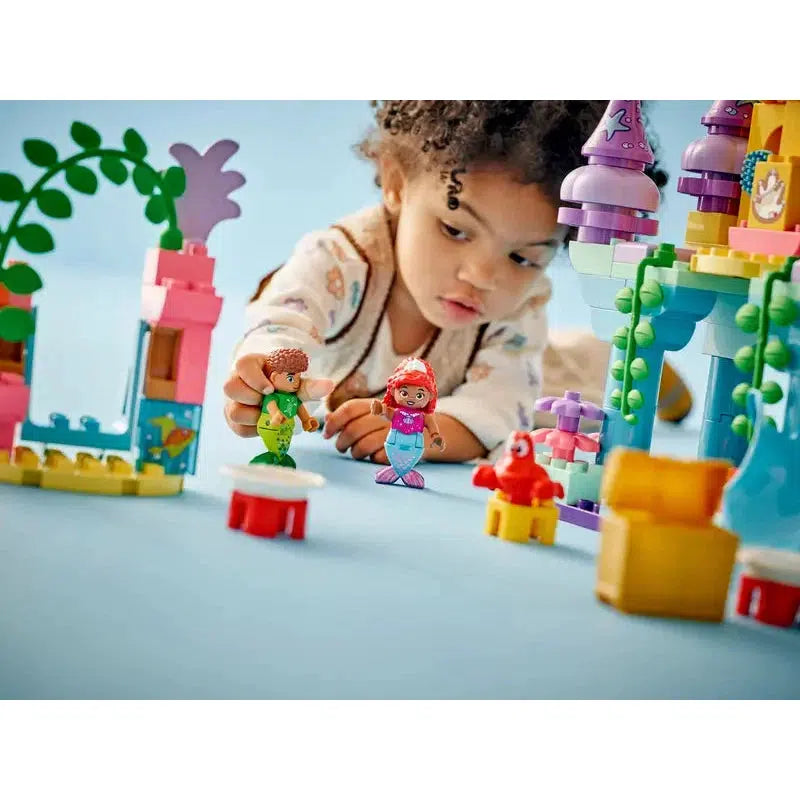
(393, 183)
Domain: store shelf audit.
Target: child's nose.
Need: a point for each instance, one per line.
(480, 272)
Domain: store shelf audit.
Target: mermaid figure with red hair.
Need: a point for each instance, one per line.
(409, 404)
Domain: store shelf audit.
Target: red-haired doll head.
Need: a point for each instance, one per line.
(412, 372)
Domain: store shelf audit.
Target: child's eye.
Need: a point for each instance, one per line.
(522, 261)
(453, 233)
(420, 395)
(403, 393)
(290, 378)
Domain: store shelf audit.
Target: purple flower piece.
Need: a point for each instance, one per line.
(205, 201)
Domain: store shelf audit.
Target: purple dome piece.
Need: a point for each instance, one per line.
(612, 186)
(729, 114)
(717, 153)
(620, 136)
(718, 157)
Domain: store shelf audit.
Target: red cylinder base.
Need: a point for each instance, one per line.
(266, 516)
(778, 603)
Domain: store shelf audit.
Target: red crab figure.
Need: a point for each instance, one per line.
(517, 475)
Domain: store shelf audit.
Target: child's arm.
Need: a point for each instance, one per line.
(305, 299)
(297, 306)
(500, 389)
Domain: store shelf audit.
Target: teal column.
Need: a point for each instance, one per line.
(717, 440)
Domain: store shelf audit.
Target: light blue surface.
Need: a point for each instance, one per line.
(402, 597)
(151, 597)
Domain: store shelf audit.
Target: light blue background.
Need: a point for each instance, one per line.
(134, 597)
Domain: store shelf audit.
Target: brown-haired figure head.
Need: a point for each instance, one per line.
(284, 367)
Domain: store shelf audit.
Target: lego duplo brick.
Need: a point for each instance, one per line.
(581, 480)
(168, 435)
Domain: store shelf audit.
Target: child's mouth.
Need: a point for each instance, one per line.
(460, 310)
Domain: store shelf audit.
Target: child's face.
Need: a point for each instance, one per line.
(411, 396)
(475, 263)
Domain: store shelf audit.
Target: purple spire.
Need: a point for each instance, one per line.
(612, 189)
(735, 115)
(620, 139)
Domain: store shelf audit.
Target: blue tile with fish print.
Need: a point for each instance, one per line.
(168, 435)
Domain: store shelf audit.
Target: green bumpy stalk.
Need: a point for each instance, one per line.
(664, 256)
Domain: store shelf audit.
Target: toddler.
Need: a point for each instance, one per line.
(449, 268)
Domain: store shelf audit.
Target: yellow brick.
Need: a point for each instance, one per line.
(517, 523)
(705, 228)
(775, 200)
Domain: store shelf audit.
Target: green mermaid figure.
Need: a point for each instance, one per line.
(284, 369)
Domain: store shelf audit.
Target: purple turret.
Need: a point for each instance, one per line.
(717, 157)
(612, 189)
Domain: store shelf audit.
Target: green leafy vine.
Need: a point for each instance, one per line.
(639, 333)
(751, 360)
(161, 189)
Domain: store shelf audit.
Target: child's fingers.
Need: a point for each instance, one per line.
(245, 431)
(242, 414)
(369, 444)
(236, 389)
(250, 369)
(357, 429)
(380, 457)
(240, 429)
(350, 410)
(315, 388)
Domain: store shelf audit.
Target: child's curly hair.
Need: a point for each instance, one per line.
(539, 140)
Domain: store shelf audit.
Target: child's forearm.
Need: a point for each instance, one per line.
(462, 445)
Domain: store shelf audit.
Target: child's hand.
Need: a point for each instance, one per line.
(311, 424)
(315, 389)
(376, 407)
(245, 389)
(358, 430)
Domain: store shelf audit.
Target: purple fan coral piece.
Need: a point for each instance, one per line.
(569, 409)
(205, 201)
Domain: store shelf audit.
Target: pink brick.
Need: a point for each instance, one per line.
(16, 300)
(631, 252)
(175, 307)
(757, 240)
(193, 267)
(14, 399)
